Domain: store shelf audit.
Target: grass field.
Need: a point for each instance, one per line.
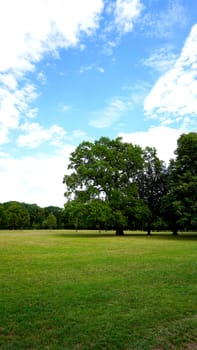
(89, 290)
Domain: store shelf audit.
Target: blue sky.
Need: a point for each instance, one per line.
(78, 70)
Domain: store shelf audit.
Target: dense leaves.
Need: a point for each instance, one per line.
(15, 215)
(152, 185)
(181, 200)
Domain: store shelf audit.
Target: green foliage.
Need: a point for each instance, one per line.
(36, 215)
(181, 200)
(15, 216)
(2, 216)
(50, 222)
(152, 186)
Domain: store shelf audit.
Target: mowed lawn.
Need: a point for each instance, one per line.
(89, 290)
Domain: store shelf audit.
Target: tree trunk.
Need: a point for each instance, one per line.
(175, 231)
(119, 231)
(149, 226)
(149, 231)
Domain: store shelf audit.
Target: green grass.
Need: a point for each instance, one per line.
(89, 290)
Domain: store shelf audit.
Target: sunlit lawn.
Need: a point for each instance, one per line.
(90, 290)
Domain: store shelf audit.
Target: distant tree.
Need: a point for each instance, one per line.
(2, 217)
(36, 215)
(181, 199)
(50, 222)
(106, 170)
(17, 216)
(57, 212)
(152, 186)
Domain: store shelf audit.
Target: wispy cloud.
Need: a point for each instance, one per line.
(161, 59)
(100, 69)
(91, 67)
(175, 94)
(41, 78)
(163, 23)
(119, 106)
(108, 116)
(64, 107)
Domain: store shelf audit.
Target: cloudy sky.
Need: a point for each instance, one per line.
(78, 70)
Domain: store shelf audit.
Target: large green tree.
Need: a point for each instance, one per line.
(181, 200)
(106, 170)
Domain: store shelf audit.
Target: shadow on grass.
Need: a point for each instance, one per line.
(111, 234)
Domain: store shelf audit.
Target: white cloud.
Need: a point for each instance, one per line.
(163, 138)
(15, 105)
(9, 81)
(29, 30)
(36, 135)
(108, 116)
(3, 135)
(36, 179)
(175, 93)
(126, 12)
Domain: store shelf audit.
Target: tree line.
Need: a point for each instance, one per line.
(15, 216)
(114, 185)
